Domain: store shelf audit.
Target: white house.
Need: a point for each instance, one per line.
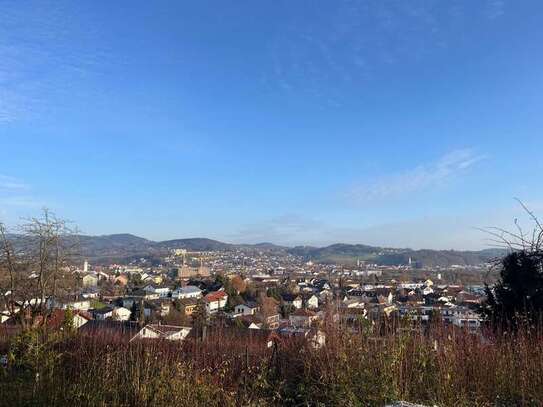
(316, 338)
(352, 303)
(466, 318)
(294, 300)
(250, 324)
(102, 276)
(121, 314)
(80, 320)
(410, 286)
(91, 292)
(326, 295)
(4, 316)
(250, 308)
(82, 305)
(103, 313)
(168, 332)
(427, 290)
(215, 301)
(162, 292)
(312, 302)
(189, 291)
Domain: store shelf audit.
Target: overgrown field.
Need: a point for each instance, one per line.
(438, 366)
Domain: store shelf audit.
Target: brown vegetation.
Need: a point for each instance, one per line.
(442, 366)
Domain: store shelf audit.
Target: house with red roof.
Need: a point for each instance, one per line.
(58, 316)
(215, 301)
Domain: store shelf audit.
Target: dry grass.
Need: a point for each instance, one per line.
(440, 365)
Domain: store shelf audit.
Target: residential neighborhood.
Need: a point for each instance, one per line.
(255, 290)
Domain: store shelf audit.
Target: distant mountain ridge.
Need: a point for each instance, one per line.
(119, 247)
(126, 245)
(347, 253)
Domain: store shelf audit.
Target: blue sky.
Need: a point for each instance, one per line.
(396, 123)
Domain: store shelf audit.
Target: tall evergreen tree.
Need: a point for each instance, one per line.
(518, 295)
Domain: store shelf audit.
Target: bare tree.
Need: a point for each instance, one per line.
(518, 294)
(519, 239)
(35, 267)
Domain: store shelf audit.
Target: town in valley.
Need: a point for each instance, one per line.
(264, 291)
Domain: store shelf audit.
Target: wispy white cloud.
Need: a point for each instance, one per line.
(420, 178)
(495, 9)
(20, 202)
(33, 40)
(8, 183)
(360, 37)
(15, 193)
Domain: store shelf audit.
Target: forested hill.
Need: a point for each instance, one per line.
(120, 247)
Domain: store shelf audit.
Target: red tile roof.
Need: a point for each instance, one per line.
(215, 296)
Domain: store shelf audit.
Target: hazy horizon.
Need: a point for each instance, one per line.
(375, 122)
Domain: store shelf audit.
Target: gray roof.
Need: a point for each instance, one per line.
(189, 289)
(250, 304)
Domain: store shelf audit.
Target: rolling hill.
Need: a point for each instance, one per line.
(349, 254)
(122, 247)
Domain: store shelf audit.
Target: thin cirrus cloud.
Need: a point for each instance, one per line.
(361, 38)
(38, 62)
(15, 193)
(8, 183)
(420, 178)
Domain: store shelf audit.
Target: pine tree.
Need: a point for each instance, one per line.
(518, 295)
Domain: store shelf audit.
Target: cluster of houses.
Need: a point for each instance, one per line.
(163, 305)
(420, 301)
